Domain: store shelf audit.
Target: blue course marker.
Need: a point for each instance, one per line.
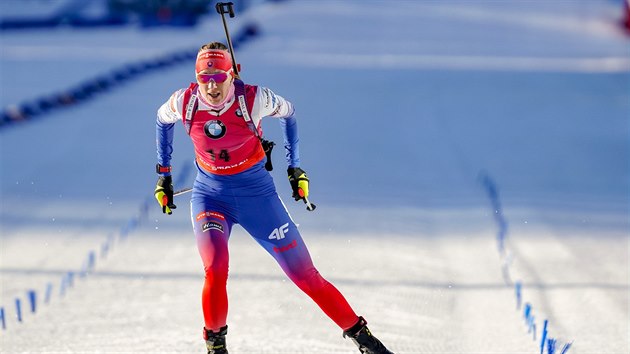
(104, 249)
(62, 286)
(48, 294)
(18, 309)
(32, 298)
(2, 320)
(70, 276)
(551, 345)
(91, 260)
(543, 336)
(527, 312)
(517, 288)
(532, 326)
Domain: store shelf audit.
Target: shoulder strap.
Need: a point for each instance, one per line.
(239, 91)
(267, 146)
(190, 106)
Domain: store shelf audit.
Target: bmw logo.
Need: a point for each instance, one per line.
(214, 129)
(238, 112)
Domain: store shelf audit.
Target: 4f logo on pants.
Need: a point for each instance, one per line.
(278, 233)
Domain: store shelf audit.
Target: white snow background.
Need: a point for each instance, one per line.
(404, 108)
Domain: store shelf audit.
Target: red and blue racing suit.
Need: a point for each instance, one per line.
(233, 187)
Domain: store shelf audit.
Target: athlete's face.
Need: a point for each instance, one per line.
(214, 84)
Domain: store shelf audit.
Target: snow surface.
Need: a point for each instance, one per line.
(404, 107)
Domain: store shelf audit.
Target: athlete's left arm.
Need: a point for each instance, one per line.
(268, 104)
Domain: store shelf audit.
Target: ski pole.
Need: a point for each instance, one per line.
(309, 206)
(228, 8)
(182, 191)
(222, 9)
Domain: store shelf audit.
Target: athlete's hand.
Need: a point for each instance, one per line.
(299, 184)
(164, 194)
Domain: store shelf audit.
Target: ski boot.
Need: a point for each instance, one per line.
(215, 341)
(363, 338)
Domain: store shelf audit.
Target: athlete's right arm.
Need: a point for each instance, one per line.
(167, 115)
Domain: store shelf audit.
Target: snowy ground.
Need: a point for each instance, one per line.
(403, 107)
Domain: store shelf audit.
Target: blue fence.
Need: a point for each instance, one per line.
(31, 301)
(146, 13)
(92, 88)
(544, 340)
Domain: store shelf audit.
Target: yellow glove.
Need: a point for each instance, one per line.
(164, 194)
(299, 184)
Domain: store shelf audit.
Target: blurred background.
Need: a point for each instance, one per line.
(458, 150)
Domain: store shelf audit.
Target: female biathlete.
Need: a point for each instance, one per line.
(222, 116)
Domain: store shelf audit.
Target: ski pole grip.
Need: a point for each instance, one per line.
(225, 8)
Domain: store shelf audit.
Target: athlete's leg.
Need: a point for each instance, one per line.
(267, 220)
(212, 230)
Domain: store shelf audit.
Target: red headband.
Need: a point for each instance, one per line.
(213, 58)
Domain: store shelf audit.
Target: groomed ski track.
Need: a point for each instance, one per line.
(403, 108)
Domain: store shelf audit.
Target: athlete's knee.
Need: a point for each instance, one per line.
(216, 272)
(308, 280)
(214, 255)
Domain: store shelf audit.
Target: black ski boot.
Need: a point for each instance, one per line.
(363, 338)
(215, 341)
